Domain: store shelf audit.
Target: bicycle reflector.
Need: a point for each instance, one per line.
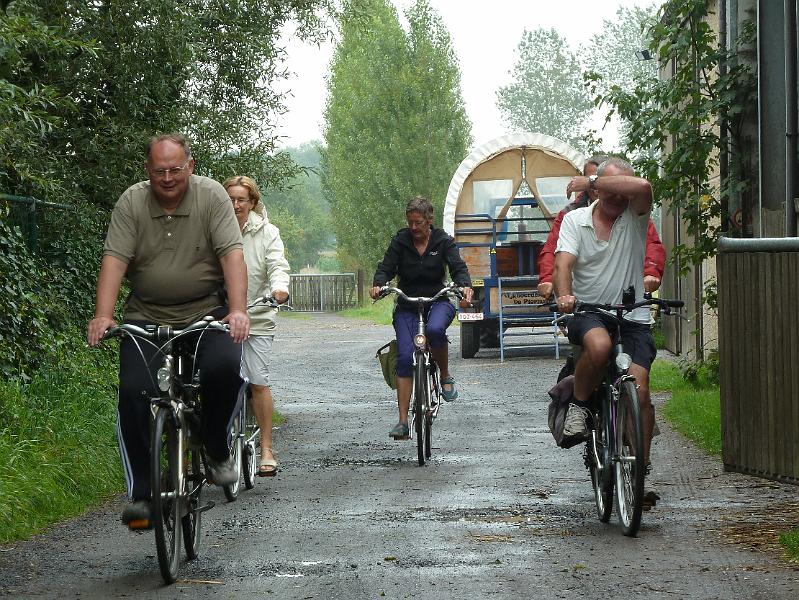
(420, 341)
(163, 376)
(623, 362)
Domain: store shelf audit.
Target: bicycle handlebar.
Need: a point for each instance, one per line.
(451, 289)
(619, 309)
(269, 301)
(162, 333)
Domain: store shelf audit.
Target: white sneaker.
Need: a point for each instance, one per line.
(576, 421)
(222, 473)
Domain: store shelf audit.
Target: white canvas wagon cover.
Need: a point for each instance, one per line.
(494, 150)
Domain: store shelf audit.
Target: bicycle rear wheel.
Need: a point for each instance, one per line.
(237, 451)
(192, 520)
(249, 458)
(630, 468)
(420, 404)
(166, 493)
(601, 473)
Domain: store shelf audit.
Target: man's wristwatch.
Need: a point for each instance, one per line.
(592, 181)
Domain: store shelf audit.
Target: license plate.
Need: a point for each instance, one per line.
(470, 316)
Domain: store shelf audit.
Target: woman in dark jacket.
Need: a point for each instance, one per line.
(418, 256)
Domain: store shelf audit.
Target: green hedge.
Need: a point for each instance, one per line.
(42, 299)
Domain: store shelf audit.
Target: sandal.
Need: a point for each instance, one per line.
(268, 466)
(449, 395)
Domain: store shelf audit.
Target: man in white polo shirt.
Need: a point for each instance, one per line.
(600, 253)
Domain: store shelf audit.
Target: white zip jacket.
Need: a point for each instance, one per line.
(267, 269)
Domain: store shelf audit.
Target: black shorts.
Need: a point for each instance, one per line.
(637, 339)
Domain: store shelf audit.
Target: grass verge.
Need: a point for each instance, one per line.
(58, 450)
(790, 541)
(58, 445)
(694, 409)
(376, 312)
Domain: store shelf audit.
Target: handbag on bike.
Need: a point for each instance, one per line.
(388, 363)
(562, 395)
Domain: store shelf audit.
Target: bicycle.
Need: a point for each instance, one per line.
(176, 453)
(427, 398)
(614, 452)
(245, 432)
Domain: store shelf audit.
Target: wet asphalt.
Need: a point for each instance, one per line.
(499, 512)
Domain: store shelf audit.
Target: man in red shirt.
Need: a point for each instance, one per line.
(654, 261)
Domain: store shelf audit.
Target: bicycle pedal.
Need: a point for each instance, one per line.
(208, 506)
(140, 524)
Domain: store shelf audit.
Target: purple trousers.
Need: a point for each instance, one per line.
(438, 318)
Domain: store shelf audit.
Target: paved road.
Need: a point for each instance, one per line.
(499, 513)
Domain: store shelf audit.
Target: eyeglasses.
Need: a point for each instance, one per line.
(174, 171)
(240, 201)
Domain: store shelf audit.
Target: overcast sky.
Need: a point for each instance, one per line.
(484, 34)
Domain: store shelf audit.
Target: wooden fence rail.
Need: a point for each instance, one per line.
(758, 296)
(323, 293)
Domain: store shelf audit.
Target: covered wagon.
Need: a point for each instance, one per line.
(499, 207)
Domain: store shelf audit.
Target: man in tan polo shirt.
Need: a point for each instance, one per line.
(176, 239)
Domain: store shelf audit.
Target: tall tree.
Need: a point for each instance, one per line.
(395, 123)
(611, 60)
(547, 94)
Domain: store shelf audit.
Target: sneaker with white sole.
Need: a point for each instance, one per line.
(222, 472)
(576, 422)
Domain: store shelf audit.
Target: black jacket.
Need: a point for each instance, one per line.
(421, 275)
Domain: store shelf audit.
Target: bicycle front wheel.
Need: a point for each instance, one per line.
(166, 493)
(630, 467)
(192, 520)
(435, 400)
(420, 404)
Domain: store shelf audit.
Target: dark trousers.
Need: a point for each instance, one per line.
(219, 360)
(406, 322)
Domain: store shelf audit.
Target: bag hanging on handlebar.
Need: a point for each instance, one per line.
(388, 363)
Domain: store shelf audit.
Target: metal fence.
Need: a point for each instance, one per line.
(758, 296)
(323, 293)
(38, 221)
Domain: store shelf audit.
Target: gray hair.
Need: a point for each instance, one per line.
(175, 138)
(596, 160)
(619, 163)
(421, 205)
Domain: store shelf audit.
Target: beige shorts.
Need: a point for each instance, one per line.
(255, 358)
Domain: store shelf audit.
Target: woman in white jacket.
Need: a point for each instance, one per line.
(267, 273)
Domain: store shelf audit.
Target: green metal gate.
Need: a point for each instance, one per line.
(37, 219)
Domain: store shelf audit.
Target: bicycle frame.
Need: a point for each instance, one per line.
(248, 436)
(422, 354)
